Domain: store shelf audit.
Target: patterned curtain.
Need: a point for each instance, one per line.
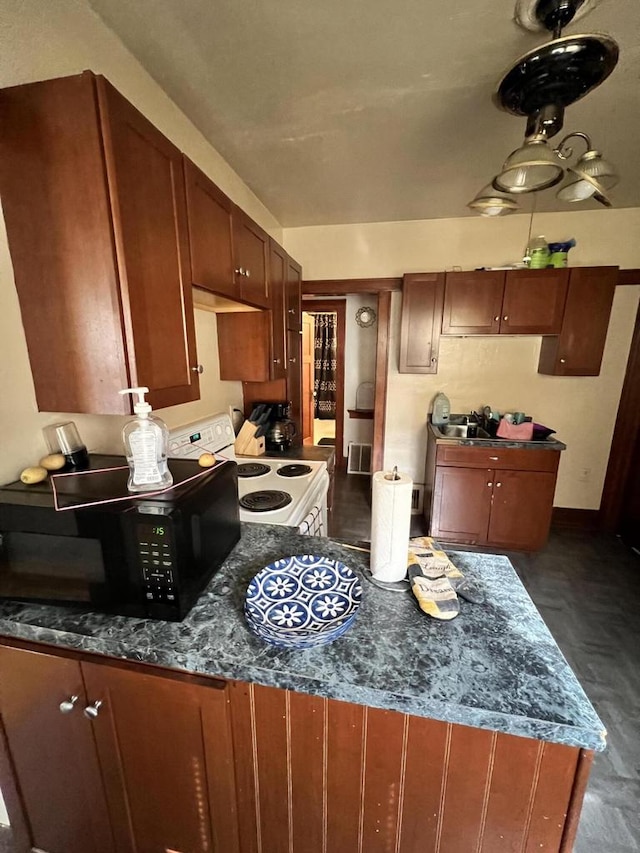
(324, 384)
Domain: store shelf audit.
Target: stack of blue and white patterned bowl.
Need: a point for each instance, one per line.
(302, 601)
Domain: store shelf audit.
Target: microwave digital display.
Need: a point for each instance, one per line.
(151, 531)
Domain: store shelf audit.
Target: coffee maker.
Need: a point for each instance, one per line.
(280, 430)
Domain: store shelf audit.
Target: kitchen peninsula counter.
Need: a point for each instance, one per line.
(495, 666)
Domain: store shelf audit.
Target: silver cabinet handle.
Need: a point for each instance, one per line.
(489, 484)
(292, 310)
(563, 361)
(239, 271)
(91, 711)
(197, 368)
(498, 485)
(277, 360)
(494, 458)
(506, 317)
(247, 273)
(68, 705)
(292, 360)
(496, 318)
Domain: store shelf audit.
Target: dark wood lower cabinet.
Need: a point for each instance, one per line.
(479, 495)
(179, 764)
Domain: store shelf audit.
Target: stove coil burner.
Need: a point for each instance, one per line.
(296, 470)
(265, 501)
(252, 469)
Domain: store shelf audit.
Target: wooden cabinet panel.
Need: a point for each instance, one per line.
(491, 457)
(53, 753)
(533, 302)
(473, 302)
(294, 295)
(146, 184)
(150, 736)
(251, 258)
(278, 265)
(515, 302)
(461, 504)
(294, 380)
(244, 346)
(521, 509)
(94, 203)
(422, 300)
(578, 349)
(210, 233)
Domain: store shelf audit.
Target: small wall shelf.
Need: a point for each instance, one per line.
(365, 414)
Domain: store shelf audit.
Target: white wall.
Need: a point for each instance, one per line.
(4, 817)
(500, 372)
(359, 366)
(41, 40)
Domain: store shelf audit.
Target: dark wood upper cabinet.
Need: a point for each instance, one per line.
(577, 350)
(515, 302)
(251, 259)
(278, 261)
(294, 295)
(533, 302)
(94, 204)
(210, 233)
(422, 301)
(472, 303)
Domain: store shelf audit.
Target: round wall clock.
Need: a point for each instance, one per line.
(365, 317)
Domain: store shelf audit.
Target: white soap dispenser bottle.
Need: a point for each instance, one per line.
(146, 440)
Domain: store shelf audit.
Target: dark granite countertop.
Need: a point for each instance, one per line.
(495, 666)
(502, 443)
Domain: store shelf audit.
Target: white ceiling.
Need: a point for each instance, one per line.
(337, 111)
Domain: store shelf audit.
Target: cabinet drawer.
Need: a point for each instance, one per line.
(459, 456)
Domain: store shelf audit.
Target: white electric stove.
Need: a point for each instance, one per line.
(291, 492)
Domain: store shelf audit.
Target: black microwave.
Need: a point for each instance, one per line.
(93, 544)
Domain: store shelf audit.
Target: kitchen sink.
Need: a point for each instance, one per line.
(461, 431)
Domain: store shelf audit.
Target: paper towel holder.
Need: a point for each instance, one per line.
(393, 475)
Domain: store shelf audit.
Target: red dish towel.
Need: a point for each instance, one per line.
(516, 432)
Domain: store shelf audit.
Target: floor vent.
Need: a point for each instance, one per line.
(359, 459)
(417, 499)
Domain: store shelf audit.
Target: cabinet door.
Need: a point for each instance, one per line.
(577, 350)
(422, 298)
(278, 260)
(294, 295)
(210, 233)
(294, 380)
(533, 302)
(146, 185)
(53, 753)
(461, 504)
(251, 259)
(58, 220)
(166, 753)
(244, 346)
(521, 509)
(472, 303)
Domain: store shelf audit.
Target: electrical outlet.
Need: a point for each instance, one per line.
(585, 475)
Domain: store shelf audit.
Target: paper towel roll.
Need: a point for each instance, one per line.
(390, 525)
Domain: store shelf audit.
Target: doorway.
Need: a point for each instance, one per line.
(323, 349)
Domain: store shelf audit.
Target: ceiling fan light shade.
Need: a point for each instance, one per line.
(492, 202)
(591, 177)
(530, 168)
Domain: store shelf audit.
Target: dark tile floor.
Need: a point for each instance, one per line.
(587, 588)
